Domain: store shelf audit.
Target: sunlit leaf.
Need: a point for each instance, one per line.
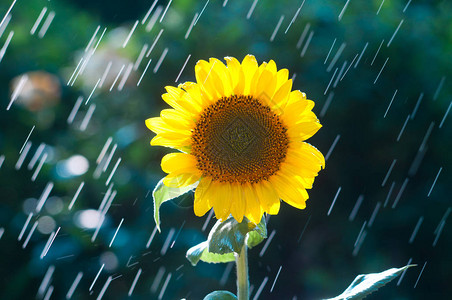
(363, 285)
(200, 252)
(256, 236)
(220, 295)
(229, 236)
(163, 193)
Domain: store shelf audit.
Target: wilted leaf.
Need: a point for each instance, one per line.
(220, 295)
(363, 285)
(200, 252)
(229, 236)
(256, 236)
(163, 193)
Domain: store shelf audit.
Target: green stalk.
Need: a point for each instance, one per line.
(242, 274)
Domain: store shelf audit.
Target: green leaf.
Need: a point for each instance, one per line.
(163, 193)
(220, 295)
(363, 285)
(229, 236)
(256, 236)
(200, 252)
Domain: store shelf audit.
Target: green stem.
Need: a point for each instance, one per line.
(242, 274)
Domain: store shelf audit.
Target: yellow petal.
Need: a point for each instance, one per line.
(195, 95)
(281, 77)
(176, 119)
(205, 79)
(223, 75)
(179, 163)
(271, 66)
(289, 193)
(166, 141)
(306, 156)
(221, 200)
(156, 125)
(237, 75)
(180, 105)
(249, 67)
(303, 131)
(175, 134)
(238, 206)
(201, 204)
(192, 95)
(299, 167)
(281, 97)
(315, 152)
(297, 96)
(295, 111)
(253, 207)
(265, 87)
(255, 80)
(268, 197)
(180, 180)
(294, 173)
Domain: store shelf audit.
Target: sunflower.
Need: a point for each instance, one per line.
(240, 130)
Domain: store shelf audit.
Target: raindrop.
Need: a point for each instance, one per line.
(45, 281)
(434, 182)
(137, 276)
(166, 9)
(187, 34)
(343, 10)
(329, 52)
(202, 11)
(267, 242)
(148, 13)
(356, 208)
(97, 276)
(445, 115)
(157, 279)
(104, 288)
(46, 24)
(395, 32)
(260, 289)
(389, 172)
(336, 57)
(361, 55)
(130, 34)
(334, 201)
(403, 273)
(438, 89)
(305, 48)
(416, 229)
(294, 17)
(165, 285)
(250, 12)
(276, 278)
(378, 11)
(303, 35)
(381, 44)
(328, 154)
(423, 267)
(381, 70)
(116, 232)
(74, 285)
(159, 62)
(275, 31)
(399, 195)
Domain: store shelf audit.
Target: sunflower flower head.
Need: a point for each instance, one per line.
(241, 133)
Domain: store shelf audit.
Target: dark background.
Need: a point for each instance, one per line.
(313, 251)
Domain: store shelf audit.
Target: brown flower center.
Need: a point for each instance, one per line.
(238, 139)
